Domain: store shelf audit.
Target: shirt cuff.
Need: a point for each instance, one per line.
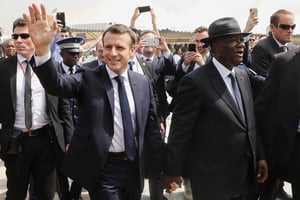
(184, 67)
(39, 60)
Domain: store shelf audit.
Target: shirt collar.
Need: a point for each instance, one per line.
(112, 74)
(278, 43)
(66, 68)
(21, 59)
(223, 71)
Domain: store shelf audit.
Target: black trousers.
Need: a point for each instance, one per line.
(289, 172)
(119, 180)
(37, 159)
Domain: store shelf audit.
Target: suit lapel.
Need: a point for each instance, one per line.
(136, 91)
(145, 66)
(107, 84)
(221, 88)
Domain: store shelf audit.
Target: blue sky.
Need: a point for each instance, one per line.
(176, 14)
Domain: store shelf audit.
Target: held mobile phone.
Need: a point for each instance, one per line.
(144, 9)
(61, 17)
(191, 47)
(254, 12)
(152, 42)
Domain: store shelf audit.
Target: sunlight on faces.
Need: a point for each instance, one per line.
(148, 51)
(24, 47)
(282, 35)
(117, 51)
(197, 40)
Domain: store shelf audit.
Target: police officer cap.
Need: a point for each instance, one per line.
(71, 44)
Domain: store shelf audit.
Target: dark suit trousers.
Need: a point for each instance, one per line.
(289, 173)
(36, 159)
(119, 181)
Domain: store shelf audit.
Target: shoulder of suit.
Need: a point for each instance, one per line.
(10, 60)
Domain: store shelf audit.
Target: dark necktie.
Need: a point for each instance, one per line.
(284, 48)
(148, 59)
(27, 97)
(71, 70)
(131, 63)
(237, 94)
(130, 147)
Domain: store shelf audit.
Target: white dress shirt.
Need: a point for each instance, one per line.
(118, 141)
(40, 116)
(224, 72)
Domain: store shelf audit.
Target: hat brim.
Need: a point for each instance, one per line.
(208, 40)
(72, 50)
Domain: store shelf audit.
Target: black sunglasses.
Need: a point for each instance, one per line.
(286, 26)
(22, 35)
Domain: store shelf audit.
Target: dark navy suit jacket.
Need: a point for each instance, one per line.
(94, 131)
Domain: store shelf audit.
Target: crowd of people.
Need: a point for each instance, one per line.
(235, 126)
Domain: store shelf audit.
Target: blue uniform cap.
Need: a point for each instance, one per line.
(71, 44)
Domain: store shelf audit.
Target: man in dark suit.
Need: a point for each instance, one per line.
(162, 66)
(212, 136)
(192, 59)
(282, 24)
(277, 112)
(30, 150)
(106, 154)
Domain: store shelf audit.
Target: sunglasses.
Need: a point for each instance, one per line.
(286, 26)
(22, 35)
(251, 39)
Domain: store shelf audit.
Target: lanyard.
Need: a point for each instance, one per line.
(23, 70)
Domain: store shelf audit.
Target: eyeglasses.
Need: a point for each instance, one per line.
(22, 35)
(286, 26)
(251, 39)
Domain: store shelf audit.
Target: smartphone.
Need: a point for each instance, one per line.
(144, 9)
(192, 47)
(253, 12)
(152, 42)
(61, 17)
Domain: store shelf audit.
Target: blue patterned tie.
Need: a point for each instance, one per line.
(237, 94)
(126, 118)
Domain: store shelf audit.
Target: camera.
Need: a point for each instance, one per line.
(151, 42)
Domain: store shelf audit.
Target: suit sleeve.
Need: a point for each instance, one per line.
(260, 60)
(153, 139)
(57, 84)
(187, 107)
(65, 116)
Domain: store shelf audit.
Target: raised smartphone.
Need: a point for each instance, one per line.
(254, 12)
(144, 9)
(152, 42)
(61, 17)
(191, 47)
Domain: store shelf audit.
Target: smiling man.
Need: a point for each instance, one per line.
(212, 136)
(116, 113)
